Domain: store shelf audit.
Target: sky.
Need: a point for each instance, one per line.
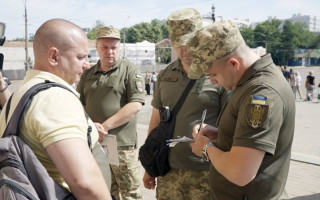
(126, 13)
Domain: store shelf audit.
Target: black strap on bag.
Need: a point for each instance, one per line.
(180, 102)
(153, 154)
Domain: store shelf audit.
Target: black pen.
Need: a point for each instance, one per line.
(204, 113)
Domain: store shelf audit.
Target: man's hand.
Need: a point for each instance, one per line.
(148, 181)
(102, 132)
(204, 136)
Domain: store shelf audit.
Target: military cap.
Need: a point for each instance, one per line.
(108, 32)
(212, 43)
(182, 24)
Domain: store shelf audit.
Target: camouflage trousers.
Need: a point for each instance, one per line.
(125, 177)
(181, 184)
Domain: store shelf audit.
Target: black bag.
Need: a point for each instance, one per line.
(154, 153)
(22, 176)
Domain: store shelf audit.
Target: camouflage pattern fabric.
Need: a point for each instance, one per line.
(108, 32)
(182, 184)
(126, 176)
(212, 43)
(182, 24)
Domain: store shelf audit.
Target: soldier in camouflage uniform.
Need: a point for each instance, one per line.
(112, 93)
(251, 156)
(188, 178)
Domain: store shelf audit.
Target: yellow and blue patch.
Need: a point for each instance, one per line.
(257, 111)
(138, 75)
(260, 100)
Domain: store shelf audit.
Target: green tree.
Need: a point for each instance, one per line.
(247, 34)
(92, 35)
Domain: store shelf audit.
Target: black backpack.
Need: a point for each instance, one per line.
(22, 176)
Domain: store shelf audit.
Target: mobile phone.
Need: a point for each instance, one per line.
(204, 113)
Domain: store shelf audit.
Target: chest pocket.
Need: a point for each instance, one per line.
(107, 81)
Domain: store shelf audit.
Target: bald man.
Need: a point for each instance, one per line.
(54, 126)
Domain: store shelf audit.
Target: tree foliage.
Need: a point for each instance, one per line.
(154, 32)
(279, 38)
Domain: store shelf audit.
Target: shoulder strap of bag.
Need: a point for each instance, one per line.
(180, 102)
(13, 126)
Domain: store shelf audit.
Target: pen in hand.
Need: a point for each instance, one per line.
(204, 113)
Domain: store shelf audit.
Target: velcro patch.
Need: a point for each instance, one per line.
(257, 111)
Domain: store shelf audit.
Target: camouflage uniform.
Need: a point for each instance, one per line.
(259, 115)
(105, 93)
(188, 177)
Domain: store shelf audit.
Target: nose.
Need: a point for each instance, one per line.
(86, 64)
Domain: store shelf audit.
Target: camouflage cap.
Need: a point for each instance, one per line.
(182, 24)
(212, 43)
(108, 32)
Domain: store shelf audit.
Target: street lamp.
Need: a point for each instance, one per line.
(124, 38)
(26, 32)
(213, 10)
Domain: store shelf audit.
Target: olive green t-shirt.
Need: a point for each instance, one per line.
(259, 115)
(171, 83)
(105, 93)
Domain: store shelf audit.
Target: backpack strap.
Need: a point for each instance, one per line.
(13, 126)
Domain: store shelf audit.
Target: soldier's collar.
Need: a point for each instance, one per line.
(113, 68)
(263, 62)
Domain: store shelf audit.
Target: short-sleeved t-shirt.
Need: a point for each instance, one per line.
(54, 114)
(260, 115)
(105, 93)
(171, 83)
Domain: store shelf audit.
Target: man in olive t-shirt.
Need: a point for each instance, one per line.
(250, 157)
(112, 93)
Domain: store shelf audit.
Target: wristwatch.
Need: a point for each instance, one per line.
(204, 150)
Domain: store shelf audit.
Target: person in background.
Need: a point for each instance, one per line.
(112, 93)
(297, 85)
(5, 93)
(188, 177)
(310, 86)
(250, 149)
(292, 80)
(154, 81)
(55, 128)
(286, 73)
(147, 81)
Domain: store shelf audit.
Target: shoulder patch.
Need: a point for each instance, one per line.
(139, 85)
(257, 111)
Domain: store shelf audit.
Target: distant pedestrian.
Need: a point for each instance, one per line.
(286, 73)
(292, 80)
(147, 81)
(310, 86)
(298, 83)
(154, 81)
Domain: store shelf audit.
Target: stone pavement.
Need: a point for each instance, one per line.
(304, 175)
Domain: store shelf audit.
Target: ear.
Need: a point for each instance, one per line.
(53, 55)
(235, 63)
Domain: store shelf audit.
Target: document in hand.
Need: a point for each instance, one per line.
(109, 145)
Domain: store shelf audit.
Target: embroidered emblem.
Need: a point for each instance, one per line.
(139, 86)
(138, 75)
(257, 111)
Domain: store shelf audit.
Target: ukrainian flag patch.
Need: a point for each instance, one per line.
(260, 100)
(257, 111)
(138, 75)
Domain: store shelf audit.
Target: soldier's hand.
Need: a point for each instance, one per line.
(102, 132)
(148, 181)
